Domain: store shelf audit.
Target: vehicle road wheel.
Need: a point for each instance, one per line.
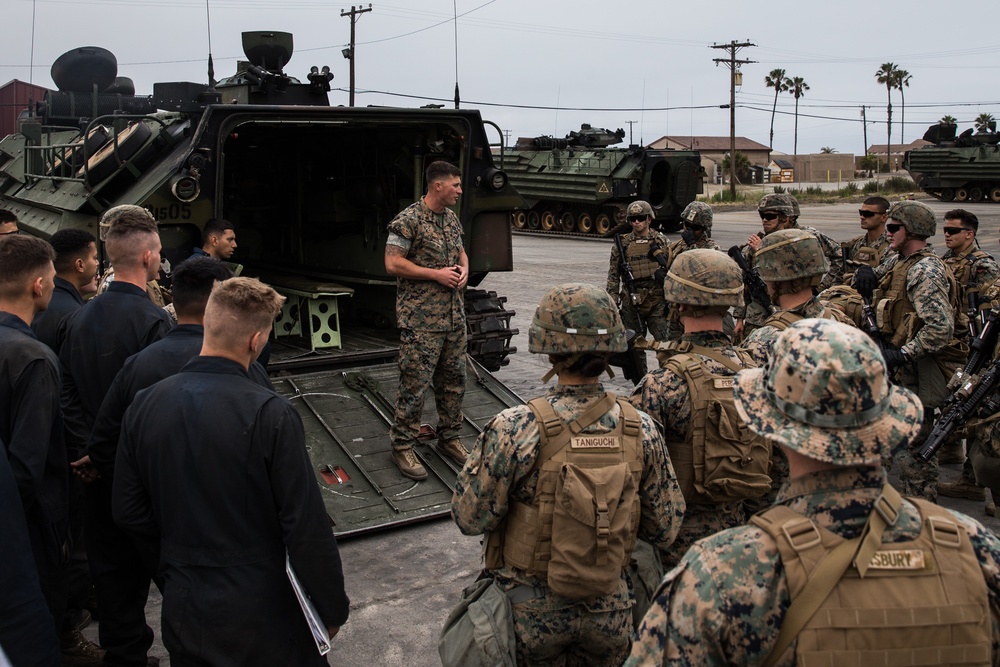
(533, 220)
(520, 219)
(995, 195)
(603, 224)
(976, 194)
(585, 223)
(948, 194)
(548, 221)
(567, 221)
(961, 194)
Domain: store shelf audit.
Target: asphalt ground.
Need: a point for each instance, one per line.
(403, 583)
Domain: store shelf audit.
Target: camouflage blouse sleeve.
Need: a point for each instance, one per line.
(927, 288)
(662, 504)
(614, 271)
(831, 249)
(984, 272)
(496, 464)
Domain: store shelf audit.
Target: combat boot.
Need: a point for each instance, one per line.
(952, 452)
(408, 463)
(454, 450)
(78, 651)
(961, 488)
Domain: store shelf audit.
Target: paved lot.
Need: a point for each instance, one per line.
(403, 583)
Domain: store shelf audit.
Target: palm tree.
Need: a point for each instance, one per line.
(828, 150)
(742, 166)
(983, 122)
(886, 75)
(902, 81)
(777, 80)
(797, 86)
(948, 120)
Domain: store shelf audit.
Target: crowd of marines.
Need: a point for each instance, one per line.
(733, 510)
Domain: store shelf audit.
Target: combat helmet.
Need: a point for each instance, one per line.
(825, 394)
(917, 217)
(702, 277)
(789, 254)
(779, 202)
(700, 214)
(640, 207)
(576, 318)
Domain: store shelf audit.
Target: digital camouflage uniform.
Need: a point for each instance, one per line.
(431, 318)
(861, 252)
(927, 290)
(761, 341)
(727, 600)
(497, 472)
(974, 270)
(664, 394)
(502, 470)
(650, 314)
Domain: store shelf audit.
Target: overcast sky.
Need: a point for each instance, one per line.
(544, 67)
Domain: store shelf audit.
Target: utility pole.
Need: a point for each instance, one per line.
(630, 124)
(733, 64)
(349, 51)
(864, 124)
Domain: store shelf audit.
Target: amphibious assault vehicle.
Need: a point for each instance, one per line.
(962, 168)
(581, 184)
(310, 189)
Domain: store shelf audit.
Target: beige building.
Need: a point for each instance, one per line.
(714, 149)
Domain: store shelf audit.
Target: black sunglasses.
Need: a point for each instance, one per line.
(769, 215)
(637, 218)
(956, 230)
(893, 227)
(867, 214)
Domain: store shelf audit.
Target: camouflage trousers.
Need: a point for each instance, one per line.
(570, 636)
(648, 316)
(701, 521)
(429, 359)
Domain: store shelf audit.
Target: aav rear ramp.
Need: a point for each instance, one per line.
(347, 415)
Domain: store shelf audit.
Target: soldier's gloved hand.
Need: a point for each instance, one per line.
(688, 236)
(894, 358)
(659, 276)
(865, 281)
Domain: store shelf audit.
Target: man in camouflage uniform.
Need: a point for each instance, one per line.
(579, 328)
(697, 220)
(729, 599)
(777, 212)
(873, 245)
(975, 270)
(424, 251)
(915, 308)
(702, 284)
(645, 310)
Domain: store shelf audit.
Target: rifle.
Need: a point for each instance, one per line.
(626, 270)
(980, 350)
(870, 324)
(753, 286)
(965, 402)
(972, 314)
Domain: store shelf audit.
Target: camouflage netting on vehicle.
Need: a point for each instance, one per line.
(574, 318)
(702, 277)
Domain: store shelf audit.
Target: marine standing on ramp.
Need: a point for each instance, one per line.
(425, 253)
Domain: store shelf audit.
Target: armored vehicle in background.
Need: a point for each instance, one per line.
(962, 168)
(582, 185)
(310, 189)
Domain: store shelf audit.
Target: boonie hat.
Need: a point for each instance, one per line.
(824, 393)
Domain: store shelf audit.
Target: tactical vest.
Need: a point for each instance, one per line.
(895, 314)
(783, 319)
(962, 268)
(865, 254)
(581, 526)
(721, 460)
(920, 602)
(637, 255)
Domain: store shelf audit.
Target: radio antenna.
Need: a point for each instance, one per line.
(211, 66)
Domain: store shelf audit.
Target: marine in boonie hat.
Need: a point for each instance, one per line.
(824, 393)
(639, 207)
